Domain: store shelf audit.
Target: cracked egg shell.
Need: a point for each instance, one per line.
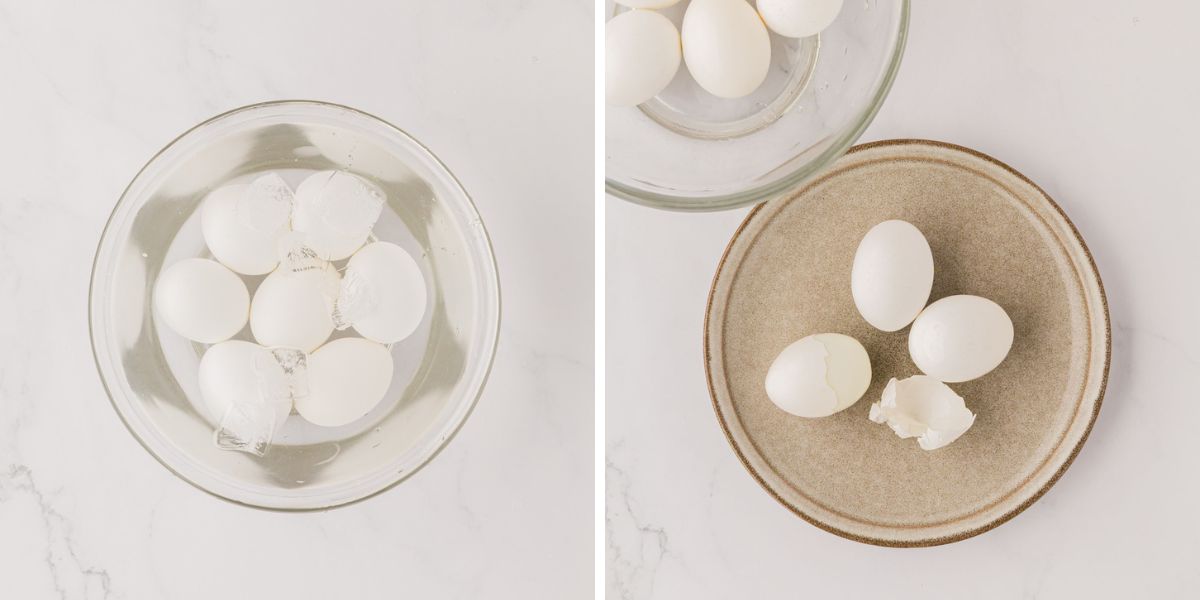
(924, 408)
(819, 375)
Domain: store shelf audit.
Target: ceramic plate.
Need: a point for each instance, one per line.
(786, 274)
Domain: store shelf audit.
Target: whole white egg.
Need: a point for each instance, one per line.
(392, 280)
(647, 3)
(242, 223)
(294, 309)
(346, 379)
(726, 46)
(335, 210)
(798, 18)
(892, 275)
(202, 300)
(960, 338)
(641, 56)
(232, 374)
(819, 375)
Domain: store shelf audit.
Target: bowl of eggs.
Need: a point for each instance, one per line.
(717, 104)
(294, 305)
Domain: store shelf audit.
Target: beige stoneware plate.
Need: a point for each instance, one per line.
(786, 274)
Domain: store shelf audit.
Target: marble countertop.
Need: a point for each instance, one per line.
(1096, 102)
(91, 91)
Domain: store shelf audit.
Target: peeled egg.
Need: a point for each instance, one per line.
(202, 300)
(924, 408)
(641, 56)
(892, 275)
(819, 375)
(960, 338)
(294, 309)
(394, 288)
(647, 3)
(798, 18)
(242, 223)
(346, 379)
(232, 374)
(335, 211)
(726, 46)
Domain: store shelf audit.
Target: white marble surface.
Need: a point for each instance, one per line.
(502, 92)
(1095, 101)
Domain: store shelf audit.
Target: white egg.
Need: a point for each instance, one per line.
(924, 408)
(346, 379)
(892, 275)
(641, 56)
(647, 3)
(295, 309)
(202, 300)
(235, 373)
(395, 288)
(819, 375)
(726, 47)
(242, 223)
(335, 210)
(960, 338)
(798, 18)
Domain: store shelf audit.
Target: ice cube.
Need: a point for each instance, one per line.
(266, 205)
(250, 423)
(296, 255)
(356, 299)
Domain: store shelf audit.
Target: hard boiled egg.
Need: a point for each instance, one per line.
(959, 338)
(798, 18)
(892, 275)
(641, 56)
(294, 309)
(726, 46)
(237, 373)
(242, 223)
(346, 379)
(924, 408)
(202, 300)
(819, 375)
(335, 210)
(387, 283)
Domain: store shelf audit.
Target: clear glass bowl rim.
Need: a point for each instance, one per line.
(492, 310)
(762, 193)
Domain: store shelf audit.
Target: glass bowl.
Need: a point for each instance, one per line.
(150, 372)
(686, 149)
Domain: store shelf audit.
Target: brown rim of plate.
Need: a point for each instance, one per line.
(935, 541)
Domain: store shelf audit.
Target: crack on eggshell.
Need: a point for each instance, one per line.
(924, 408)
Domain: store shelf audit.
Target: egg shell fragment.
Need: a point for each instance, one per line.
(892, 275)
(924, 408)
(798, 18)
(960, 338)
(641, 56)
(294, 309)
(202, 300)
(726, 47)
(396, 291)
(819, 375)
(346, 379)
